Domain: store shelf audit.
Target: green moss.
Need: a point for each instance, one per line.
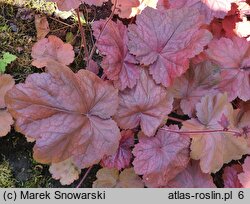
(38, 5)
(38, 179)
(18, 42)
(6, 177)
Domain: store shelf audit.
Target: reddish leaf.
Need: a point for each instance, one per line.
(199, 80)
(230, 176)
(224, 122)
(147, 104)
(223, 146)
(208, 8)
(192, 177)
(161, 157)
(241, 122)
(6, 83)
(52, 48)
(233, 56)
(67, 5)
(166, 40)
(163, 4)
(121, 159)
(118, 64)
(230, 21)
(94, 2)
(93, 67)
(245, 176)
(68, 114)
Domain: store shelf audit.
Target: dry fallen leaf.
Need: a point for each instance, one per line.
(42, 26)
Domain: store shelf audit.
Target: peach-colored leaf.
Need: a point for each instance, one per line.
(147, 104)
(224, 146)
(6, 83)
(110, 178)
(52, 48)
(65, 171)
(166, 40)
(69, 115)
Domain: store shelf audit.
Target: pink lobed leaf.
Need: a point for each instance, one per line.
(208, 8)
(230, 176)
(67, 5)
(192, 177)
(199, 80)
(69, 115)
(233, 56)
(52, 48)
(166, 40)
(245, 176)
(147, 104)
(127, 8)
(118, 64)
(162, 157)
(121, 159)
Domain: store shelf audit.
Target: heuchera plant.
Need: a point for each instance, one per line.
(186, 58)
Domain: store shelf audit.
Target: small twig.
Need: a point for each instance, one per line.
(68, 25)
(82, 31)
(109, 18)
(58, 29)
(84, 177)
(175, 119)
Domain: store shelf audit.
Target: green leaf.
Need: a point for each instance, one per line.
(3, 65)
(6, 59)
(69, 37)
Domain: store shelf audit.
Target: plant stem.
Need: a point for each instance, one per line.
(202, 131)
(109, 18)
(82, 31)
(84, 177)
